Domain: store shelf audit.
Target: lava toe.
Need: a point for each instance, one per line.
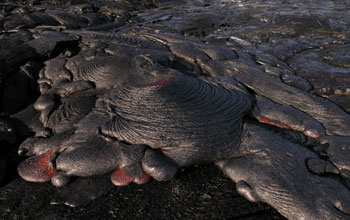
(159, 166)
(38, 168)
(60, 179)
(286, 117)
(124, 176)
(82, 190)
(245, 190)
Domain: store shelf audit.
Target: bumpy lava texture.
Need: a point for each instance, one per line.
(124, 101)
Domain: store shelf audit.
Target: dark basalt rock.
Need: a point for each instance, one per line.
(330, 62)
(70, 112)
(175, 112)
(7, 131)
(135, 116)
(124, 98)
(155, 128)
(276, 188)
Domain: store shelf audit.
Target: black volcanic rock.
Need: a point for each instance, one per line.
(50, 46)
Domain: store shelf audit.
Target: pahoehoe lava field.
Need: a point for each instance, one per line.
(159, 109)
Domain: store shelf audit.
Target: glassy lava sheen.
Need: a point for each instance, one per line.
(142, 105)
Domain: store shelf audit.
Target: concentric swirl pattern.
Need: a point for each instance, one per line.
(176, 112)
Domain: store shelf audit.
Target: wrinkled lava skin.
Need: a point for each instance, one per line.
(152, 125)
(145, 105)
(160, 115)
